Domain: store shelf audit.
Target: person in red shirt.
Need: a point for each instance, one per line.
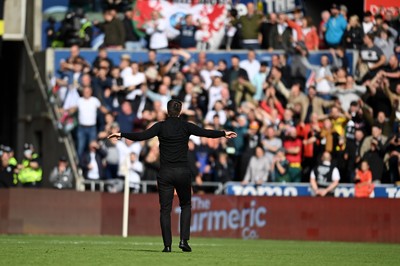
(309, 132)
(306, 33)
(364, 186)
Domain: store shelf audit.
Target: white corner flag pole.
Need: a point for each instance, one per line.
(125, 208)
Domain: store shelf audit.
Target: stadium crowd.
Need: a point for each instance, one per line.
(290, 115)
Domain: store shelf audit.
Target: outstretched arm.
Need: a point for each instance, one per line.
(198, 131)
(138, 136)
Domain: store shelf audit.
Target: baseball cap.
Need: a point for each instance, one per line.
(334, 6)
(28, 146)
(63, 158)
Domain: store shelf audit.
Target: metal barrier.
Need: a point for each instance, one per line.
(100, 185)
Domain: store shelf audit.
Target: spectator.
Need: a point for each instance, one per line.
(353, 36)
(271, 104)
(91, 161)
(73, 57)
(132, 169)
(134, 37)
(113, 29)
(141, 103)
(325, 15)
(125, 147)
(392, 72)
(133, 79)
(280, 167)
(156, 30)
(193, 163)
(112, 158)
(125, 66)
(271, 143)
(234, 71)
(175, 64)
(243, 90)
(259, 81)
(216, 111)
(258, 169)
(203, 35)
(266, 26)
(363, 187)
(348, 93)
(343, 11)
(207, 72)
(357, 119)
(394, 157)
(329, 138)
(102, 84)
(117, 86)
(372, 57)
(232, 32)
(352, 154)
(309, 132)
(215, 90)
(293, 148)
(163, 95)
(30, 173)
(385, 40)
(224, 170)
(325, 177)
(61, 177)
(280, 36)
(152, 61)
(324, 79)
(187, 30)
(249, 25)
(6, 170)
(335, 27)
(306, 33)
(126, 117)
(295, 96)
(368, 23)
(317, 105)
(151, 162)
(101, 55)
(87, 119)
(373, 149)
(391, 20)
(251, 64)
(29, 154)
(339, 58)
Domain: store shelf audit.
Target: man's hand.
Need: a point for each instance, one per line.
(230, 134)
(115, 135)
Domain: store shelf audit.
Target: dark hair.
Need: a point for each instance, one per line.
(174, 108)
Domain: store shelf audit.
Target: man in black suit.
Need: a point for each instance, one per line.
(173, 134)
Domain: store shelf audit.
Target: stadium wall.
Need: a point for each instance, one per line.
(28, 211)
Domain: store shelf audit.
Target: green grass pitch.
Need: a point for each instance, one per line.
(107, 250)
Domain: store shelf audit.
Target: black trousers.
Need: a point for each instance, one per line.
(171, 178)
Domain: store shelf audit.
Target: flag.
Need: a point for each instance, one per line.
(172, 12)
(311, 79)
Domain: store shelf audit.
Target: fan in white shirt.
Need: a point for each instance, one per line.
(251, 64)
(135, 78)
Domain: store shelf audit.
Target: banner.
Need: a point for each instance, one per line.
(68, 212)
(302, 190)
(380, 6)
(211, 12)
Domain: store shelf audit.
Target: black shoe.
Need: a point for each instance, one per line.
(185, 246)
(167, 249)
